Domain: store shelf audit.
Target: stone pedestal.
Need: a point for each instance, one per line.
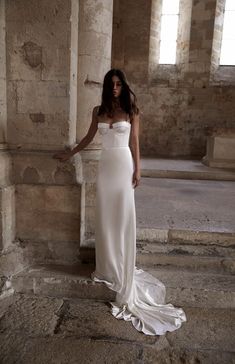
(221, 149)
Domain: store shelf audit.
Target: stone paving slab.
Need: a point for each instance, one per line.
(206, 329)
(83, 317)
(83, 331)
(26, 314)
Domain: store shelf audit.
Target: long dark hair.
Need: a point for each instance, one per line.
(127, 97)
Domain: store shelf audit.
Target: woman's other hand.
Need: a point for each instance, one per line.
(136, 178)
(63, 156)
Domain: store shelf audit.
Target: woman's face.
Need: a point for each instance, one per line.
(117, 86)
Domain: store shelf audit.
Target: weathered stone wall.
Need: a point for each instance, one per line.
(130, 42)
(38, 59)
(41, 121)
(178, 102)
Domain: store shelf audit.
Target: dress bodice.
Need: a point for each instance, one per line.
(115, 137)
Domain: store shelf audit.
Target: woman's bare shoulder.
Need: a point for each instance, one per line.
(96, 109)
(135, 116)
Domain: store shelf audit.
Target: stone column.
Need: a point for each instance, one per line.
(8, 264)
(3, 105)
(41, 121)
(7, 221)
(94, 60)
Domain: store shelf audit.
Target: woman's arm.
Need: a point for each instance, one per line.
(135, 148)
(63, 156)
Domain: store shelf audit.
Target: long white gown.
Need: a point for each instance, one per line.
(140, 297)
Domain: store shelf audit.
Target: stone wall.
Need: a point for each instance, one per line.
(38, 60)
(178, 103)
(40, 122)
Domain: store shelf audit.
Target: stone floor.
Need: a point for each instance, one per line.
(49, 330)
(186, 238)
(198, 205)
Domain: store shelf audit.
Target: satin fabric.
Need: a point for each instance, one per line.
(140, 297)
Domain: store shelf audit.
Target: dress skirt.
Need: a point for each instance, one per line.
(140, 297)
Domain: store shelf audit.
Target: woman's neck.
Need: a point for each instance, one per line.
(116, 104)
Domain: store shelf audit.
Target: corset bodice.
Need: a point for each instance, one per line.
(115, 137)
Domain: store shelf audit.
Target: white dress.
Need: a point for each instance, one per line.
(140, 297)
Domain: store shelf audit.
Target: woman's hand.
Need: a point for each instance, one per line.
(136, 178)
(63, 156)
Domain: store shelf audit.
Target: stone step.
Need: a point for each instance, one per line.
(183, 288)
(187, 256)
(187, 262)
(185, 249)
(186, 236)
(198, 251)
(180, 236)
(183, 169)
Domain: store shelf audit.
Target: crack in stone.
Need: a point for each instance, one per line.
(61, 314)
(119, 340)
(140, 355)
(91, 82)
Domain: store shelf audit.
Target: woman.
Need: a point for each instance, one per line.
(140, 297)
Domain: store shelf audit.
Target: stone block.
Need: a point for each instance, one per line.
(189, 356)
(18, 66)
(34, 11)
(45, 97)
(100, 323)
(45, 35)
(220, 151)
(7, 216)
(24, 130)
(94, 44)
(89, 220)
(5, 168)
(12, 261)
(90, 194)
(27, 312)
(49, 252)
(48, 212)
(96, 17)
(40, 167)
(56, 63)
(93, 350)
(206, 329)
(186, 260)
